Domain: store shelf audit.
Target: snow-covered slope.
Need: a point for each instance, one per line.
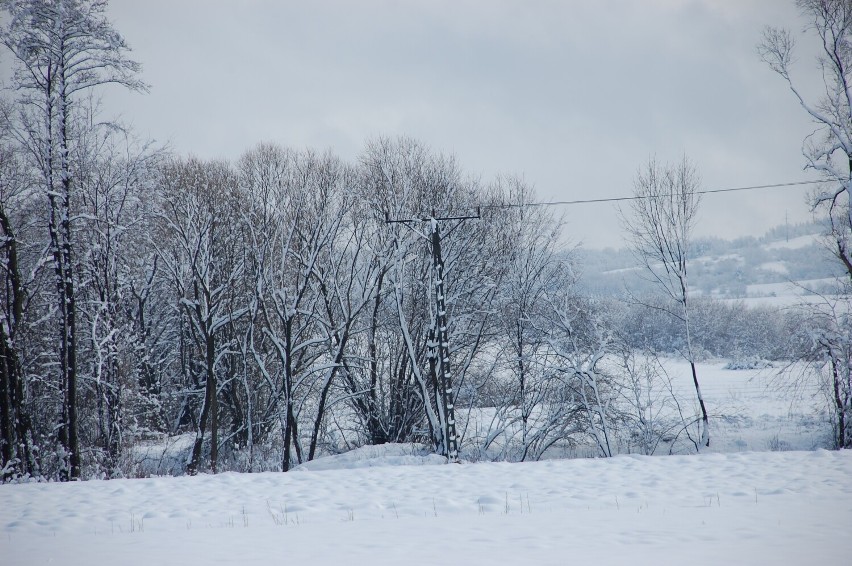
(795, 243)
(745, 268)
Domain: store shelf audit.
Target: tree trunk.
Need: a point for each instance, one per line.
(208, 405)
(16, 437)
(290, 437)
(8, 433)
(705, 423)
(338, 359)
(61, 242)
(844, 439)
(375, 431)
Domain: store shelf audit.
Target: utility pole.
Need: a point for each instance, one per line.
(787, 224)
(443, 360)
(439, 342)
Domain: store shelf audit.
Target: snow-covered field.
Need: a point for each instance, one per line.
(740, 504)
(757, 409)
(789, 289)
(750, 508)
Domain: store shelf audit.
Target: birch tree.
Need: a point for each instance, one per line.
(660, 227)
(828, 150)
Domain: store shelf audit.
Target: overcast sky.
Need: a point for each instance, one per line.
(572, 95)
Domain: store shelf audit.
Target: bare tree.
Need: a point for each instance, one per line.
(652, 413)
(534, 270)
(829, 149)
(829, 152)
(17, 457)
(663, 215)
(307, 288)
(196, 244)
(581, 340)
(401, 179)
(111, 178)
(346, 279)
(830, 333)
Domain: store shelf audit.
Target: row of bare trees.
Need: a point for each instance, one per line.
(268, 306)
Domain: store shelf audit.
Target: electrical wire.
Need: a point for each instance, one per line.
(638, 197)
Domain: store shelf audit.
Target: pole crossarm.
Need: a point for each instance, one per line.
(415, 219)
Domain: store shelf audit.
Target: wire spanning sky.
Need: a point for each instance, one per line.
(572, 95)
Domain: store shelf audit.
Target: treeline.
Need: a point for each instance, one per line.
(269, 303)
(268, 310)
(722, 329)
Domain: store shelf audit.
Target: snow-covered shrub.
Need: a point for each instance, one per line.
(748, 363)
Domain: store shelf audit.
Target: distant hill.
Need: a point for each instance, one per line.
(788, 260)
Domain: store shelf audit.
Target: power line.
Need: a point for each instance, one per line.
(618, 199)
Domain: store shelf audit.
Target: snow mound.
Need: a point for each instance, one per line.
(373, 456)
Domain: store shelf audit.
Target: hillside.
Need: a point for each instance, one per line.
(786, 261)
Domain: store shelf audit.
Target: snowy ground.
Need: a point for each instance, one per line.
(740, 504)
(757, 409)
(767, 408)
(791, 290)
(750, 508)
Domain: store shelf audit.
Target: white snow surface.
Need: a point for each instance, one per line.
(775, 266)
(794, 243)
(789, 288)
(371, 456)
(744, 508)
